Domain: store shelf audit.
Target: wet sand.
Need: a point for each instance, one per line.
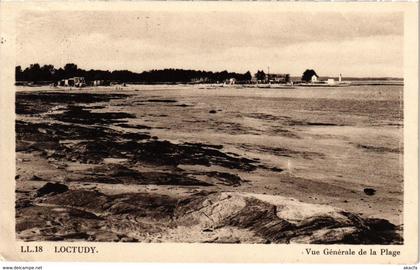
(144, 164)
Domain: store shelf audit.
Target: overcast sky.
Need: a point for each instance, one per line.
(354, 44)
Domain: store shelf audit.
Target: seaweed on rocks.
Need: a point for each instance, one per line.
(120, 174)
(80, 115)
(35, 102)
(167, 153)
(51, 188)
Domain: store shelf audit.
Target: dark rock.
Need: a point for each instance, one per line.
(22, 203)
(379, 149)
(36, 102)
(22, 146)
(162, 100)
(274, 169)
(225, 178)
(321, 124)
(51, 188)
(125, 125)
(120, 174)
(35, 178)
(378, 224)
(81, 115)
(74, 236)
(129, 239)
(212, 111)
(88, 199)
(369, 191)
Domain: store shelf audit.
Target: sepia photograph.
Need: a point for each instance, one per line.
(209, 128)
(231, 126)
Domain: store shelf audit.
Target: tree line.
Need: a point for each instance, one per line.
(38, 74)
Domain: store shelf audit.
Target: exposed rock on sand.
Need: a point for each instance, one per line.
(283, 220)
(39, 102)
(201, 217)
(369, 191)
(53, 188)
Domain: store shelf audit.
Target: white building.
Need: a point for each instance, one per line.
(331, 82)
(75, 81)
(314, 78)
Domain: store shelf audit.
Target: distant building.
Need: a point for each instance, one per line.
(75, 81)
(331, 82)
(98, 82)
(277, 78)
(232, 81)
(314, 78)
(200, 80)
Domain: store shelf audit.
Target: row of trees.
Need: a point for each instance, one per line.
(260, 75)
(48, 73)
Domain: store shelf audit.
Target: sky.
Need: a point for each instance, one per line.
(354, 44)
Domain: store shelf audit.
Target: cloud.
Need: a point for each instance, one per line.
(355, 43)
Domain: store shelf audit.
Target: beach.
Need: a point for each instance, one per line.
(143, 163)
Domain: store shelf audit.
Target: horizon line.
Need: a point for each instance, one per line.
(204, 70)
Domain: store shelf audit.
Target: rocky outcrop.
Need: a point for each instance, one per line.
(279, 219)
(222, 217)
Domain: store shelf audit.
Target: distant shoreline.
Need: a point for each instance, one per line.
(254, 86)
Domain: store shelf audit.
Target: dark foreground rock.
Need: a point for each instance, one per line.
(222, 217)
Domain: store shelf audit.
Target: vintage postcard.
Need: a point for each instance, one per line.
(209, 132)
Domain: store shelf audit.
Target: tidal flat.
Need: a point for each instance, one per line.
(204, 163)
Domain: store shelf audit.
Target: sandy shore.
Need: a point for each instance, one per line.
(190, 163)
